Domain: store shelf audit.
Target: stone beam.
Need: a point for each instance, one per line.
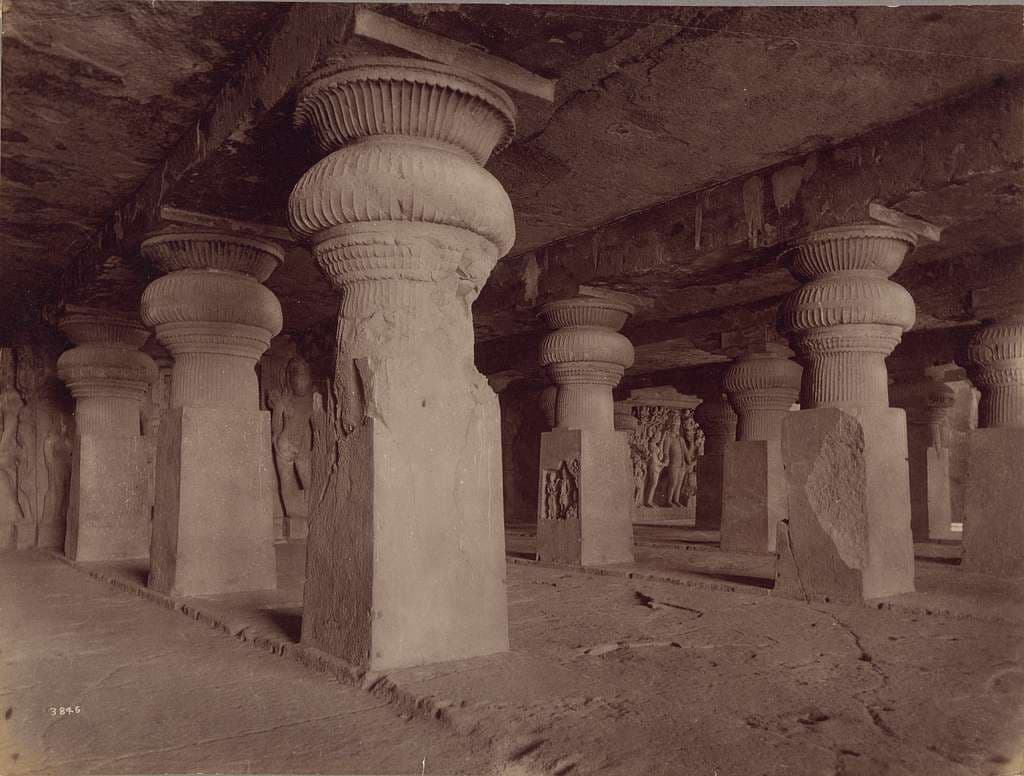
(309, 33)
(956, 164)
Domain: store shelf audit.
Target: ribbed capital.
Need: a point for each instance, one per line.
(718, 420)
(106, 373)
(997, 353)
(762, 387)
(586, 356)
(212, 314)
(848, 316)
(402, 198)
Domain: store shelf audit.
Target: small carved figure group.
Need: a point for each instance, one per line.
(561, 492)
(666, 441)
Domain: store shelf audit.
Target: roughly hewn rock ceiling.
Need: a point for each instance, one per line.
(652, 104)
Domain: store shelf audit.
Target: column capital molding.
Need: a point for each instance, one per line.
(176, 251)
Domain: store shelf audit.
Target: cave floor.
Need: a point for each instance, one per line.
(655, 668)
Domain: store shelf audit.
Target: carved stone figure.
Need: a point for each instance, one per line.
(561, 491)
(10, 405)
(656, 463)
(291, 430)
(57, 455)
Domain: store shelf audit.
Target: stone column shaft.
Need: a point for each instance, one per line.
(762, 386)
(719, 422)
(405, 221)
(213, 519)
(847, 535)
(108, 515)
(994, 498)
(585, 488)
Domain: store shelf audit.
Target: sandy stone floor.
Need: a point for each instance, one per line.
(658, 668)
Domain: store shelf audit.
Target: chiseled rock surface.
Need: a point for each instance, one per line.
(606, 674)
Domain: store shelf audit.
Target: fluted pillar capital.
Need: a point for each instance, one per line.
(212, 313)
(106, 369)
(762, 386)
(586, 357)
(996, 353)
(401, 201)
(848, 316)
(718, 420)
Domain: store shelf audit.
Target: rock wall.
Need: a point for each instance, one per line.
(36, 431)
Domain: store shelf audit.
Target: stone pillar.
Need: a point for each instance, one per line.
(108, 507)
(213, 515)
(718, 420)
(405, 555)
(994, 498)
(848, 532)
(927, 403)
(585, 491)
(762, 386)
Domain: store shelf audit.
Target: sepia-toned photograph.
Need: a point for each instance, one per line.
(511, 389)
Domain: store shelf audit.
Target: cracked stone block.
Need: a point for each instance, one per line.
(108, 513)
(994, 503)
(848, 533)
(754, 495)
(585, 499)
(213, 525)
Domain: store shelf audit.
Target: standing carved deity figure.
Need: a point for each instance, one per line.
(551, 495)
(693, 448)
(292, 432)
(656, 463)
(673, 451)
(57, 455)
(10, 405)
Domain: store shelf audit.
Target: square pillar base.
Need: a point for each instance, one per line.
(848, 535)
(994, 503)
(709, 491)
(754, 495)
(405, 558)
(108, 511)
(585, 498)
(213, 524)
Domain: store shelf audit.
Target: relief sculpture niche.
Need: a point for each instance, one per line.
(291, 426)
(664, 447)
(562, 491)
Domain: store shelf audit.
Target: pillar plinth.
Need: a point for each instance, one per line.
(719, 421)
(585, 494)
(848, 534)
(762, 386)
(994, 500)
(927, 404)
(212, 517)
(407, 224)
(108, 509)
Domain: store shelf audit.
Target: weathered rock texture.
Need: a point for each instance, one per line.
(848, 532)
(36, 428)
(927, 404)
(994, 500)
(584, 498)
(762, 386)
(406, 545)
(109, 515)
(213, 516)
(718, 420)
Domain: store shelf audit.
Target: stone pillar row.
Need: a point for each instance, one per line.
(585, 488)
